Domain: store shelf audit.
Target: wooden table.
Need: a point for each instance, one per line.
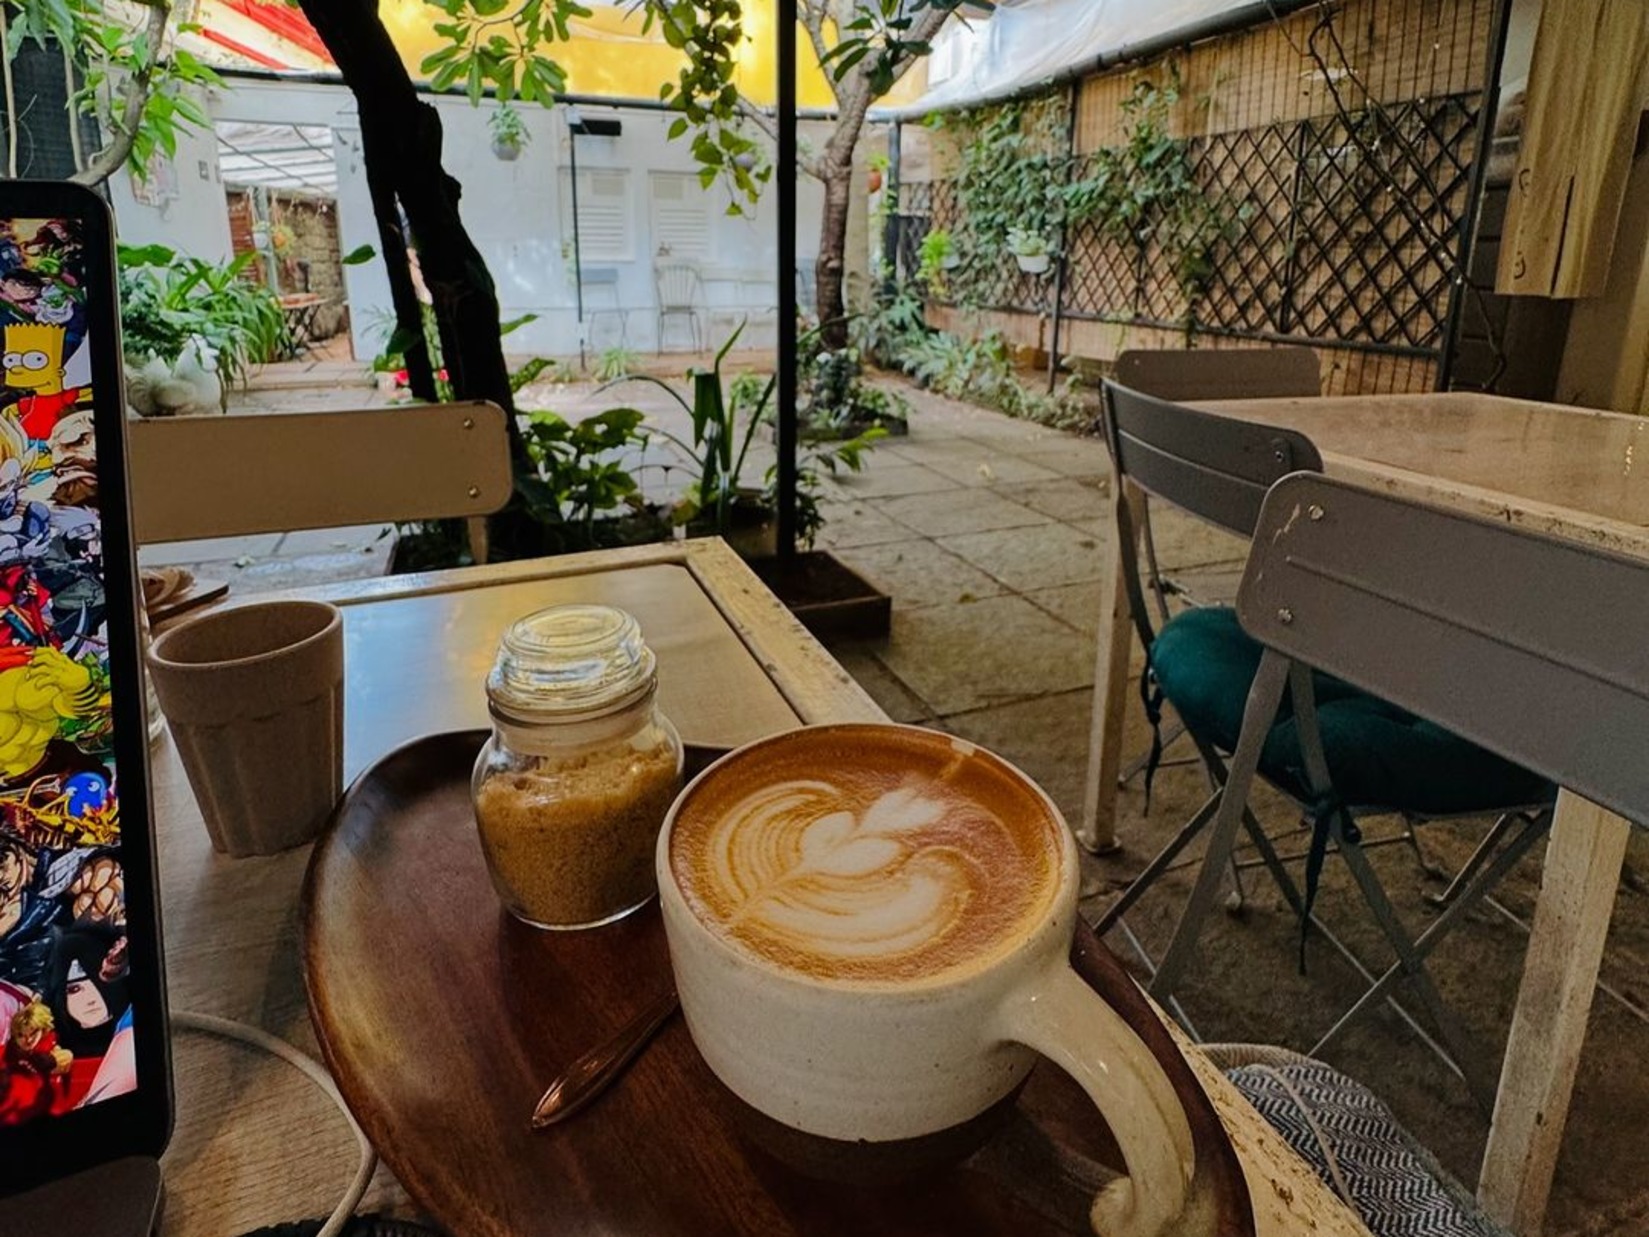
(255, 1143)
(1566, 472)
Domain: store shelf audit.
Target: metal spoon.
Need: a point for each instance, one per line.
(586, 1078)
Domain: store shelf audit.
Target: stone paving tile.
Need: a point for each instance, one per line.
(216, 549)
(297, 572)
(920, 573)
(334, 540)
(1055, 554)
(959, 511)
(858, 523)
(884, 687)
(992, 651)
(890, 480)
(1074, 458)
(1064, 499)
(1076, 604)
(925, 450)
(1184, 541)
(1210, 586)
(989, 466)
(1047, 738)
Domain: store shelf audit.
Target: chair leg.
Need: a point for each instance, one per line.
(1476, 889)
(1485, 848)
(1411, 964)
(1156, 867)
(1258, 714)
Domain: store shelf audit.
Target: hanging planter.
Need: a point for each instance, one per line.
(509, 133)
(1030, 251)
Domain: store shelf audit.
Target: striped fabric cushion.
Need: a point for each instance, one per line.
(1356, 1146)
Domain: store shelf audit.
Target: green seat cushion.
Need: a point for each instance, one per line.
(1378, 754)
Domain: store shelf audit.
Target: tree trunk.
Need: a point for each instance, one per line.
(409, 318)
(831, 267)
(401, 143)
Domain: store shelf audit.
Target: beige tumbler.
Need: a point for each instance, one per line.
(254, 697)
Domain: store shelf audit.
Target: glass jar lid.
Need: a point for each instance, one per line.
(568, 660)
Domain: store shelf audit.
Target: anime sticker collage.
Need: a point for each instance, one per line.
(65, 1017)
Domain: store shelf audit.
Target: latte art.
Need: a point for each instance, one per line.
(913, 858)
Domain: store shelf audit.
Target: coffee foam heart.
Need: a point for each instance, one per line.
(902, 858)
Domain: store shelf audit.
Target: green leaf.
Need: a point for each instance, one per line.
(359, 255)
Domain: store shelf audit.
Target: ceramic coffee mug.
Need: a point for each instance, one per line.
(870, 929)
(254, 698)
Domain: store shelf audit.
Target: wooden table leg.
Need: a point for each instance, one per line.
(1577, 894)
(1116, 639)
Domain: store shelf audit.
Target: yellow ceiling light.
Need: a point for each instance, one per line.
(609, 55)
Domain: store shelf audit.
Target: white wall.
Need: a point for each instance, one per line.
(184, 206)
(515, 213)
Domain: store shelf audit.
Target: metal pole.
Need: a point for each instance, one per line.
(1064, 237)
(1500, 20)
(786, 175)
(578, 250)
(892, 224)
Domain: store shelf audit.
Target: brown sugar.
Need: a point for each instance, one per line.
(571, 842)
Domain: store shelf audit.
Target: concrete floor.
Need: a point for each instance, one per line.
(988, 533)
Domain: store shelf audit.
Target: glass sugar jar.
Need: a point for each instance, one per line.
(573, 786)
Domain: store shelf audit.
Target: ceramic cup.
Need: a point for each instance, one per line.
(848, 1067)
(253, 695)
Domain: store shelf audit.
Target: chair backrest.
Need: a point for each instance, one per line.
(1528, 645)
(600, 287)
(225, 476)
(1215, 467)
(679, 286)
(1221, 373)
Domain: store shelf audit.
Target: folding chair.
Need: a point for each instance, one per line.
(1185, 375)
(1455, 688)
(1218, 469)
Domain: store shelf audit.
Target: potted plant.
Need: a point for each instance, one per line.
(509, 133)
(721, 501)
(1030, 250)
(282, 238)
(834, 402)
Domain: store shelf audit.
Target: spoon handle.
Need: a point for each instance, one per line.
(590, 1075)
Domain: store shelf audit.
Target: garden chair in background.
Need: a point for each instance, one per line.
(1384, 759)
(1186, 376)
(680, 291)
(602, 308)
(229, 476)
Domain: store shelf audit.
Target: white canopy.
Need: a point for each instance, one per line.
(1024, 44)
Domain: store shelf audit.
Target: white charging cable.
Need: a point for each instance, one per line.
(226, 1028)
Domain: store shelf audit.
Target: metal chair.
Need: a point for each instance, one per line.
(1218, 469)
(1184, 375)
(601, 305)
(680, 291)
(1431, 611)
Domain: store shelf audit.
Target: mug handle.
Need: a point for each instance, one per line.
(1060, 1017)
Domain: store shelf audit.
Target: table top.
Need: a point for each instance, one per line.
(255, 1144)
(1559, 469)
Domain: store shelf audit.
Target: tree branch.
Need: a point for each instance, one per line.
(811, 13)
(106, 162)
(923, 30)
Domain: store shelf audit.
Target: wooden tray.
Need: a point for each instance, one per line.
(442, 1019)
